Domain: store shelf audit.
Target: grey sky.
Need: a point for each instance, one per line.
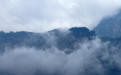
(44, 15)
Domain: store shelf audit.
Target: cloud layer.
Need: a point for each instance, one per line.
(86, 60)
(39, 15)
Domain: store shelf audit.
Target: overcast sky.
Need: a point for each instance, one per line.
(44, 15)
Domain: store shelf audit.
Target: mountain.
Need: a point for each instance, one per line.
(62, 39)
(93, 55)
(109, 27)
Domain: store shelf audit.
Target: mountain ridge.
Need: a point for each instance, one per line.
(46, 40)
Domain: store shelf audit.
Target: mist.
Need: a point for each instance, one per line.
(92, 57)
(87, 57)
(42, 16)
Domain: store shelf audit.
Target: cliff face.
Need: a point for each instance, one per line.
(109, 27)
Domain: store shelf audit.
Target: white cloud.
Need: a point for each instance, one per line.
(26, 61)
(44, 15)
(89, 58)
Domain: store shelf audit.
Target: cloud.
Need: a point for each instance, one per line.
(39, 15)
(87, 59)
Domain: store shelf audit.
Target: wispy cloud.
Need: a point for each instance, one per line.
(93, 57)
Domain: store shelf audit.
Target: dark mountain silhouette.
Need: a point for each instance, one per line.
(65, 41)
(56, 37)
(109, 27)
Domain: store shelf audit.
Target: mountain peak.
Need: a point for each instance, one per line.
(109, 27)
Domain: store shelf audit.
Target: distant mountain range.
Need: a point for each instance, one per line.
(109, 27)
(61, 39)
(67, 41)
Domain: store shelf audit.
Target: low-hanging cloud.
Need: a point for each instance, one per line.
(39, 15)
(85, 60)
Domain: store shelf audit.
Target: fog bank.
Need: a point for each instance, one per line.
(92, 57)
